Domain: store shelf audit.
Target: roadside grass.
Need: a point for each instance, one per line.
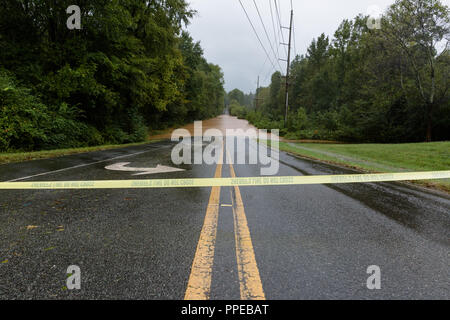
(154, 135)
(34, 155)
(434, 156)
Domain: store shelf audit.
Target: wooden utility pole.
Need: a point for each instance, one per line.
(257, 96)
(287, 70)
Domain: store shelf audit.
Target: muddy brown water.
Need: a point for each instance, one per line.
(222, 123)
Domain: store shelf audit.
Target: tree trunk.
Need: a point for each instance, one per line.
(431, 101)
(429, 122)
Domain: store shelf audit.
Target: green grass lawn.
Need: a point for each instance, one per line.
(406, 157)
(25, 156)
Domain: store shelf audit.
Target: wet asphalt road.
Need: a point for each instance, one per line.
(310, 242)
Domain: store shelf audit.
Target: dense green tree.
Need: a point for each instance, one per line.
(237, 95)
(274, 106)
(243, 99)
(129, 68)
(387, 85)
(415, 27)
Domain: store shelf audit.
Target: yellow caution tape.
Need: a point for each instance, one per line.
(226, 182)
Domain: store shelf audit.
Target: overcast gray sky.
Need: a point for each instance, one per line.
(229, 41)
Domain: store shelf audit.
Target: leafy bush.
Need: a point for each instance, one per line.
(237, 110)
(28, 124)
(301, 119)
(21, 116)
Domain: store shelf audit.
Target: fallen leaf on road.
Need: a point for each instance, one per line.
(5, 261)
(31, 227)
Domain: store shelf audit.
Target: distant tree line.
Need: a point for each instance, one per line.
(238, 102)
(129, 69)
(368, 85)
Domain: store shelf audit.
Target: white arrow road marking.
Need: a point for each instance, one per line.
(159, 169)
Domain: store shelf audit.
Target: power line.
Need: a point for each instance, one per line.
(293, 31)
(279, 10)
(267, 35)
(264, 64)
(257, 36)
(274, 30)
(295, 46)
(270, 73)
(279, 23)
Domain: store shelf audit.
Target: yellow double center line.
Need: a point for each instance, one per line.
(199, 284)
(249, 279)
